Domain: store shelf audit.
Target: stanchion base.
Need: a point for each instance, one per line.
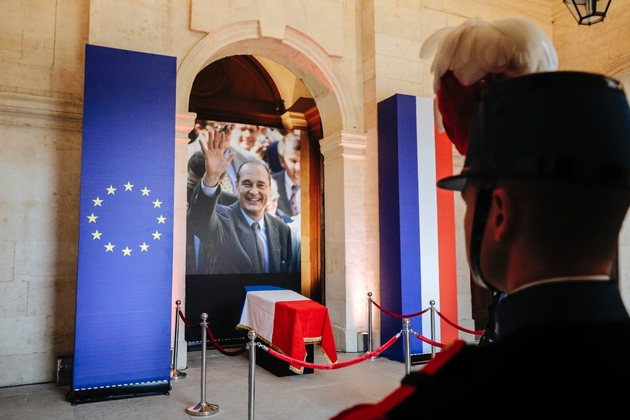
(177, 375)
(203, 409)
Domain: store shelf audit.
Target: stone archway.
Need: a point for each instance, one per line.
(297, 52)
(343, 148)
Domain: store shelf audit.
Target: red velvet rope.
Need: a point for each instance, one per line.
(336, 365)
(428, 340)
(397, 315)
(188, 324)
(221, 349)
(452, 324)
(214, 342)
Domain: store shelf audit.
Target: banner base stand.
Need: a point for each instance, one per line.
(104, 393)
(420, 358)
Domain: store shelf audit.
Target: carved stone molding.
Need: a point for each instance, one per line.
(308, 60)
(184, 123)
(348, 146)
(292, 120)
(40, 111)
(273, 18)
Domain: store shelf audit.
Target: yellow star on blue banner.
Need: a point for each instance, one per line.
(124, 220)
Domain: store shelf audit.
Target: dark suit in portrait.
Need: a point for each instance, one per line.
(284, 203)
(230, 241)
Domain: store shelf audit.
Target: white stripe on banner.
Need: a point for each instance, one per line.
(427, 196)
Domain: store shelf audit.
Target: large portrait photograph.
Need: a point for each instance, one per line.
(243, 216)
(260, 187)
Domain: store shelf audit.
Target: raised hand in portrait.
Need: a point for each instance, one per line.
(214, 144)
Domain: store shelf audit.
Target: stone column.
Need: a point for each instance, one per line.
(184, 122)
(345, 238)
(293, 121)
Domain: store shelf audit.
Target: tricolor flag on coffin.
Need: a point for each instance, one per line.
(123, 312)
(417, 226)
(287, 321)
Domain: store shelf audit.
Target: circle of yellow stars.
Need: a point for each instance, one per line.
(109, 247)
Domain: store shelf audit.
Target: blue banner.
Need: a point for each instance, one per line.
(411, 246)
(123, 311)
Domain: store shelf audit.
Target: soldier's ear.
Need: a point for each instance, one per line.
(502, 215)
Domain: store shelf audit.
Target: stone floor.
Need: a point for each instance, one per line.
(315, 396)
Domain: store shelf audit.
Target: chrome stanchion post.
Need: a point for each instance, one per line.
(203, 408)
(432, 303)
(252, 371)
(175, 374)
(370, 324)
(406, 323)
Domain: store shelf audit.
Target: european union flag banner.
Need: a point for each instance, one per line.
(123, 313)
(417, 236)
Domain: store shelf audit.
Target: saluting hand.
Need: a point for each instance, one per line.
(213, 145)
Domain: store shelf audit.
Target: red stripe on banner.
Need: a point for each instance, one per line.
(446, 237)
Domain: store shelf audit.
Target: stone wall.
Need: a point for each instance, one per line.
(41, 88)
(350, 54)
(600, 48)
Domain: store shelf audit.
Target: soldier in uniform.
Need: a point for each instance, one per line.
(546, 183)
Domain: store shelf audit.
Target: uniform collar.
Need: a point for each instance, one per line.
(560, 279)
(560, 301)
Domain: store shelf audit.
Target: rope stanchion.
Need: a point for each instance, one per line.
(452, 324)
(406, 323)
(432, 303)
(338, 365)
(427, 340)
(175, 374)
(188, 324)
(252, 372)
(221, 349)
(398, 315)
(203, 408)
(214, 342)
(433, 310)
(370, 301)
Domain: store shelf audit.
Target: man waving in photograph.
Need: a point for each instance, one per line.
(240, 238)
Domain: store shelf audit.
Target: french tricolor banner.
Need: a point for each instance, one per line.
(123, 309)
(417, 226)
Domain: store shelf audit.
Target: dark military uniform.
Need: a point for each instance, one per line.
(563, 347)
(563, 352)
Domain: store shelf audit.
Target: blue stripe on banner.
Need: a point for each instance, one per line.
(389, 212)
(409, 209)
(123, 313)
(399, 217)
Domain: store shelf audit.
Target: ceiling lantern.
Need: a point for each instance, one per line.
(588, 12)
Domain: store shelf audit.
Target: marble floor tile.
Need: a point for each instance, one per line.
(319, 395)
